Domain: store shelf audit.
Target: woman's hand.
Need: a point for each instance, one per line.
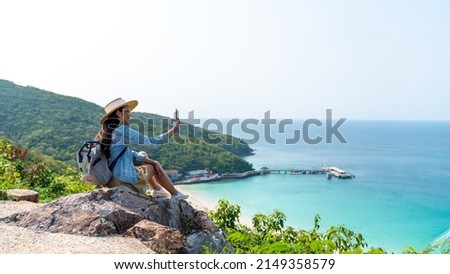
(175, 128)
(176, 125)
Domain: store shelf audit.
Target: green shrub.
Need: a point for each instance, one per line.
(18, 172)
(3, 195)
(269, 236)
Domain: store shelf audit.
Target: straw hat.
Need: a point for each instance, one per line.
(115, 105)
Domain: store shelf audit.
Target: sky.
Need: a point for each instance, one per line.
(377, 60)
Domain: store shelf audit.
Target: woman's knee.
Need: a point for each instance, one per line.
(143, 153)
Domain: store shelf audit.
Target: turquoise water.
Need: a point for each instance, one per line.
(400, 196)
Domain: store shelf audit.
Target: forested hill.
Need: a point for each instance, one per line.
(57, 125)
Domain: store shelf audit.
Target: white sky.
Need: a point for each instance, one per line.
(378, 59)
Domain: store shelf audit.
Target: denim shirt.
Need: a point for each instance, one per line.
(124, 137)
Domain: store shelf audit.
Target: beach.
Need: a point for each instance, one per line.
(202, 204)
(196, 202)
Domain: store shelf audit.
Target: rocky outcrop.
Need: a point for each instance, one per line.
(164, 225)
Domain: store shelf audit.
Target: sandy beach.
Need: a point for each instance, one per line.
(196, 202)
(200, 204)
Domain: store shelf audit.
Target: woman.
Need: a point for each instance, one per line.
(133, 170)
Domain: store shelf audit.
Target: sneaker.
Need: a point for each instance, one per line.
(180, 196)
(159, 193)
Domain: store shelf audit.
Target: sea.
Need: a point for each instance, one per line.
(400, 196)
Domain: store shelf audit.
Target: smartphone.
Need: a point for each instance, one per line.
(175, 114)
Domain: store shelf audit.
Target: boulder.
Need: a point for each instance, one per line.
(22, 195)
(166, 225)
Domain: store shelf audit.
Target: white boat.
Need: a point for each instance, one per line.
(339, 173)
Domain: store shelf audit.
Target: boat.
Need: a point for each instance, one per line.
(339, 173)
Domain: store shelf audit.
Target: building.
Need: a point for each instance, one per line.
(174, 175)
(201, 173)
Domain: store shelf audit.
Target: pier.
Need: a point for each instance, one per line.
(330, 171)
(294, 171)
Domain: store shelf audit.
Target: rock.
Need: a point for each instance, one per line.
(165, 225)
(22, 195)
(210, 236)
(158, 237)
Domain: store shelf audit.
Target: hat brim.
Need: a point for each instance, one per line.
(130, 104)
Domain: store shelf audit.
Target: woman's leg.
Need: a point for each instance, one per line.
(151, 181)
(161, 179)
(156, 180)
(157, 190)
(153, 184)
(164, 180)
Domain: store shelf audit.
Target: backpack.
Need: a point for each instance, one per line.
(93, 164)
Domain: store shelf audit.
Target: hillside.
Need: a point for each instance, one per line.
(57, 125)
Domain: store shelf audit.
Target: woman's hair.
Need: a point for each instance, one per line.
(105, 134)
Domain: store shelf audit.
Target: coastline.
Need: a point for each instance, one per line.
(196, 202)
(200, 204)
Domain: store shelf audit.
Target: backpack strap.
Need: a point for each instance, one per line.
(88, 145)
(113, 164)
